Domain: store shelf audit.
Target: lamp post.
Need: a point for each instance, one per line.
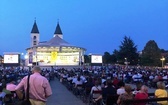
(22, 59)
(126, 63)
(162, 59)
(125, 59)
(26, 59)
(90, 60)
(36, 58)
(35, 55)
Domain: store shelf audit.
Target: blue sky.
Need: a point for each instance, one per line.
(97, 25)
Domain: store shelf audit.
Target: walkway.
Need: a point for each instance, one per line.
(61, 96)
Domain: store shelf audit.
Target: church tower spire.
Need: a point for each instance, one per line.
(35, 28)
(34, 35)
(58, 31)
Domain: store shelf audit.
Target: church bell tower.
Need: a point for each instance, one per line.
(35, 36)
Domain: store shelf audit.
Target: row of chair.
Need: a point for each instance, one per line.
(85, 96)
(83, 93)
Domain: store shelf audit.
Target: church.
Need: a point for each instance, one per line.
(54, 52)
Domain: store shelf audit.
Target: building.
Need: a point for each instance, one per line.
(54, 52)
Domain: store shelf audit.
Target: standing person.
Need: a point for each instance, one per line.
(39, 87)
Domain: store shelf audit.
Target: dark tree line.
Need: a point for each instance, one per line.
(127, 53)
(151, 54)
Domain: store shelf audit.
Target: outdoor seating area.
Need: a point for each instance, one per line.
(68, 78)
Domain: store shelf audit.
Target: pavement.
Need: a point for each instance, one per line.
(62, 96)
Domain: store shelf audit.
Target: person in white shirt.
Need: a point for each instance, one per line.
(121, 88)
(135, 77)
(74, 79)
(96, 87)
(78, 82)
(151, 77)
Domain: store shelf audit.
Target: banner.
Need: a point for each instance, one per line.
(30, 57)
(53, 56)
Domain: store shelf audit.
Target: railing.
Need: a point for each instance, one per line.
(134, 101)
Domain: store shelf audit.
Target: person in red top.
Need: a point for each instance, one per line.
(115, 82)
(142, 94)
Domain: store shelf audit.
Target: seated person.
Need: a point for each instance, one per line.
(2, 94)
(121, 88)
(78, 85)
(115, 82)
(88, 86)
(78, 82)
(161, 92)
(96, 87)
(4, 89)
(107, 93)
(142, 94)
(11, 85)
(138, 87)
(127, 95)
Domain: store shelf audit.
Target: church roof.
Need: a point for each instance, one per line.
(35, 28)
(58, 29)
(55, 42)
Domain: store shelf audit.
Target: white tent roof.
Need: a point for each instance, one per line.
(55, 42)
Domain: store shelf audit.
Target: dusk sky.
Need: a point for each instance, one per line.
(97, 25)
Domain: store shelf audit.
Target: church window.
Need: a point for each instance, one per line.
(34, 37)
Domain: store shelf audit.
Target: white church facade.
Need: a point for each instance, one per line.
(54, 52)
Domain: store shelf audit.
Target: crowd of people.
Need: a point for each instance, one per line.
(13, 85)
(98, 84)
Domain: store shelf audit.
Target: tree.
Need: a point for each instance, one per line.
(128, 51)
(114, 56)
(106, 58)
(86, 59)
(151, 54)
(164, 53)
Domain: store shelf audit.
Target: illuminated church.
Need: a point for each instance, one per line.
(54, 52)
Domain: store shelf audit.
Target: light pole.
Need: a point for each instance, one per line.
(26, 59)
(125, 59)
(126, 63)
(35, 55)
(162, 59)
(36, 58)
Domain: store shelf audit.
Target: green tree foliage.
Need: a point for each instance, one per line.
(106, 58)
(163, 51)
(114, 57)
(127, 50)
(151, 54)
(109, 58)
(86, 59)
(165, 55)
